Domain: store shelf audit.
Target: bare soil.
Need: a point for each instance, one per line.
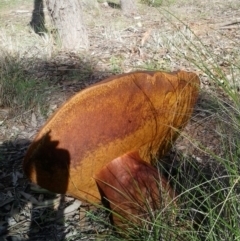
(118, 44)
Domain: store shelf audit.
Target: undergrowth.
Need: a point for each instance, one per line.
(157, 3)
(208, 192)
(207, 204)
(19, 90)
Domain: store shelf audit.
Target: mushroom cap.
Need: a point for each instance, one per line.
(140, 112)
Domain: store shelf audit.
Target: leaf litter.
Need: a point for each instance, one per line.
(28, 212)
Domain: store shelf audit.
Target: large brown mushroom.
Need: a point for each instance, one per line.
(140, 112)
(133, 190)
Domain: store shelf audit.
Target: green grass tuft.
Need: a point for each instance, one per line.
(19, 90)
(208, 191)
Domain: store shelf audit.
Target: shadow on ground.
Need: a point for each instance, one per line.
(26, 214)
(29, 212)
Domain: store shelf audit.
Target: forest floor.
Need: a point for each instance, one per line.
(155, 38)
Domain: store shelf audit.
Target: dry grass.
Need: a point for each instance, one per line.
(181, 34)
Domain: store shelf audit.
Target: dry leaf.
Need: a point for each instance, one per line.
(34, 120)
(29, 197)
(146, 36)
(48, 203)
(76, 204)
(6, 202)
(14, 178)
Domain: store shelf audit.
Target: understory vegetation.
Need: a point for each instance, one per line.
(207, 181)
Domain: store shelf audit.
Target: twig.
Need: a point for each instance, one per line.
(235, 24)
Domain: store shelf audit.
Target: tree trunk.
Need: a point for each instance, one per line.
(38, 21)
(128, 7)
(68, 19)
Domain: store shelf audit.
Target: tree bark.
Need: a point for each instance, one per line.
(128, 7)
(68, 19)
(38, 21)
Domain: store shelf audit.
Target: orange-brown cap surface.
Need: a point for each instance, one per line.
(137, 112)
